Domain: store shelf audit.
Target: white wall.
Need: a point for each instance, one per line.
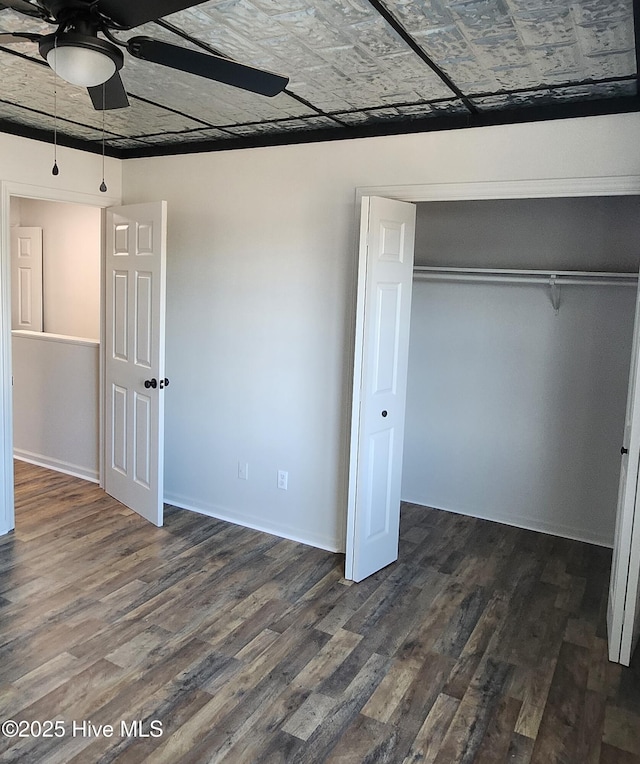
(55, 402)
(25, 170)
(29, 163)
(71, 264)
(261, 295)
(516, 413)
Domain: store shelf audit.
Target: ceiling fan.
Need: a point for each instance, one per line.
(79, 56)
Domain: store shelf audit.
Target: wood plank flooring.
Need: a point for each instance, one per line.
(483, 644)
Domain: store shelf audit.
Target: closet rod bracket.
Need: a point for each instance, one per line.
(554, 289)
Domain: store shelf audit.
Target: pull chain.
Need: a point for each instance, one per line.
(103, 185)
(55, 170)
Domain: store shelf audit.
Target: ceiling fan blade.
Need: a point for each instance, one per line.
(23, 7)
(207, 65)
(114, 96)
(128, 14)
(9, 37)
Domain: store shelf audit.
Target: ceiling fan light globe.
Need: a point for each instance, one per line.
(81, 66)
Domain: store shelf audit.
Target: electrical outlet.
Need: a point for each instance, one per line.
(243, 471)
(283, 479)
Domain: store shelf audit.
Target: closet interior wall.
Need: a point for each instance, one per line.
(515, 411)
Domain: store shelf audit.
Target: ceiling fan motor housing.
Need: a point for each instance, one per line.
(77, 40)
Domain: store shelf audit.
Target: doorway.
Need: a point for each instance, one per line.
(8, 190)
(137, 232)
(535, 189)
(56, 370)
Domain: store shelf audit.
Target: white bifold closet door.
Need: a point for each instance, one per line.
(623, 613)
(380, 384)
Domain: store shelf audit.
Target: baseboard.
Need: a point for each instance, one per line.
(219, 513)
(540, 526)
(56, 464)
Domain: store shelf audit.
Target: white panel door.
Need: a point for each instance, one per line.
(26, 278)
(134, 365)
(623, 612)
(387, 234)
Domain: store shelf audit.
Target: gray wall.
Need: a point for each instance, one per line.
(516, 413)
(587, 233)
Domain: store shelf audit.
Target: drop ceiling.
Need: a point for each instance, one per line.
(356, 67)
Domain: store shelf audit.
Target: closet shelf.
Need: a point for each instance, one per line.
(515, 276)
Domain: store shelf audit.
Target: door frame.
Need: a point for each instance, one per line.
(9, 189)
(541, 188)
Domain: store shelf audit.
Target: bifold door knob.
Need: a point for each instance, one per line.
(151, 383)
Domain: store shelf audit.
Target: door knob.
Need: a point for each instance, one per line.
(384, 413)
(624, 451)
(164, 383)
(151, 383)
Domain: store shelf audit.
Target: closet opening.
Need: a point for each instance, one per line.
(517, 381)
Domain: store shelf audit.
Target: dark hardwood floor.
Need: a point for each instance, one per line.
(483, 644)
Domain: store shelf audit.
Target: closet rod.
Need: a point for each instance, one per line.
(511, 276)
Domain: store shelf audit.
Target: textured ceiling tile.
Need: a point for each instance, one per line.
(343, 58)
(126, 143)
(274, 7)
(354, 118)
(12, 21)
(421, 15)
(189, 136)
(362, 52)
(601, 37)
(241, 15)
(481, 18)
(541, 28)
(322, 99)
(316, 30)
(377, 38)
(22, 116)
(203, 99)
(444, 44)
(411, 73)
(248, 130)
(599, 90)
(559, 63)
(486, 45)
(468, 76)
(614, 65)
(31, 85)
(212, 31)
(141, 118)
(551, 7)
(454, 106)
(556, 95)
(406, 112)
(285, 126)
(594, 11)
(350, 60)
(344, 13)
